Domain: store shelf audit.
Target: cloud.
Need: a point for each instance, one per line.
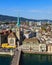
(40, 11)
(26, 11)
(34, 11)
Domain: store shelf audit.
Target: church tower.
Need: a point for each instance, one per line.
(18, 29)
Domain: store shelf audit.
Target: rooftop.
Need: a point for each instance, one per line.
(31, 40)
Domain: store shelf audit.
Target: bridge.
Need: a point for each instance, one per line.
(16, 57)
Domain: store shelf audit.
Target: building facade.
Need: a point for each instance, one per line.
(11, 39)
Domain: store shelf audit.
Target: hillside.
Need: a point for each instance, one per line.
(9, 19)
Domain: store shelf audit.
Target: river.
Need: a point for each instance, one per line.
(35, 59)
(5, 59)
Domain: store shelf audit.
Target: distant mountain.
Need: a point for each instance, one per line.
(9, 19)
(4, 18)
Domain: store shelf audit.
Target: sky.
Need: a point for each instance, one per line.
(35, 9)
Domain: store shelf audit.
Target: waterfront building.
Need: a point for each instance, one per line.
(49, 48)
(31, 44)
(11, 39)
(42, 47)
(36, 48)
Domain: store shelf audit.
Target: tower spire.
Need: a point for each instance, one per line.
(18, 22)
(18, 28)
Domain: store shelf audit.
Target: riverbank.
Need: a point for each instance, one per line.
(7, 53)
(32, 52)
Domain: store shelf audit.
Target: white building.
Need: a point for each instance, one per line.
(39, 23)
(42, 47)
(31, 44)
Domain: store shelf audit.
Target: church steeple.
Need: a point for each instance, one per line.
(18, 28)
(18, 22)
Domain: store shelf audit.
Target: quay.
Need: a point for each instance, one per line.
(6, 53)
(16, 57)
(32, 52)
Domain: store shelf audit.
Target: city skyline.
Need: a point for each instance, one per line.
(36, 9)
